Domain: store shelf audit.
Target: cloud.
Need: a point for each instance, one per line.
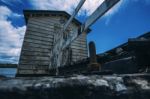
(67, 5)
(10, 37)
(87, 9)
(12, 2)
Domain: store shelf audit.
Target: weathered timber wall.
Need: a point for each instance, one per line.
(79, 48)
(38, 42)
(40, 38)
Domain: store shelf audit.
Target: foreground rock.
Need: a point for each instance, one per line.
(135, 86)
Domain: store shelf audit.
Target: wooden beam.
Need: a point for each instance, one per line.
(100, 11)
(74, 14)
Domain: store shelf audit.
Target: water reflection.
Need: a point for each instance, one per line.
(8, 72)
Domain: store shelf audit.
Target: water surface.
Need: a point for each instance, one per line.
(8, 72)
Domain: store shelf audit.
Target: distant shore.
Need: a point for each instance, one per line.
(8, 65)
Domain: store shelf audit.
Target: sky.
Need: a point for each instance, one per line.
(128, 19)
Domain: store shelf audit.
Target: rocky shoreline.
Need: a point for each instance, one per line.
(131, 86)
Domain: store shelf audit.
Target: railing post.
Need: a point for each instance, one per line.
(93, 65)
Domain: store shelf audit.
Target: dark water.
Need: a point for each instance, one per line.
(8, 72)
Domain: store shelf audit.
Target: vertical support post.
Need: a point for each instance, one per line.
(93, 65)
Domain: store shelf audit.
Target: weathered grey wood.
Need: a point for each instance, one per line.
(36, 50)
(43, 62)
(26, 44)
(38, 44)
(101, 10)
(39, 27)
(33, 48)
(47, 36)
(81, 41)
(28, 53)
(79, 54)
(33, 66)
(34, 63)
(83, 36)
(27, 57)
(78, 47)
(38, 41)
(41, 30)
(53, 20)
(79, 44)
(74, 14)
(36, 58)
(41, 22)
(77, 58)
(31, 25)
(77, 51)
(46, 21)
(39, 38)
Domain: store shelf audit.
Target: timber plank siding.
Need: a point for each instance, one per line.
(40, 36)
(79, 48)
(38, 42)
